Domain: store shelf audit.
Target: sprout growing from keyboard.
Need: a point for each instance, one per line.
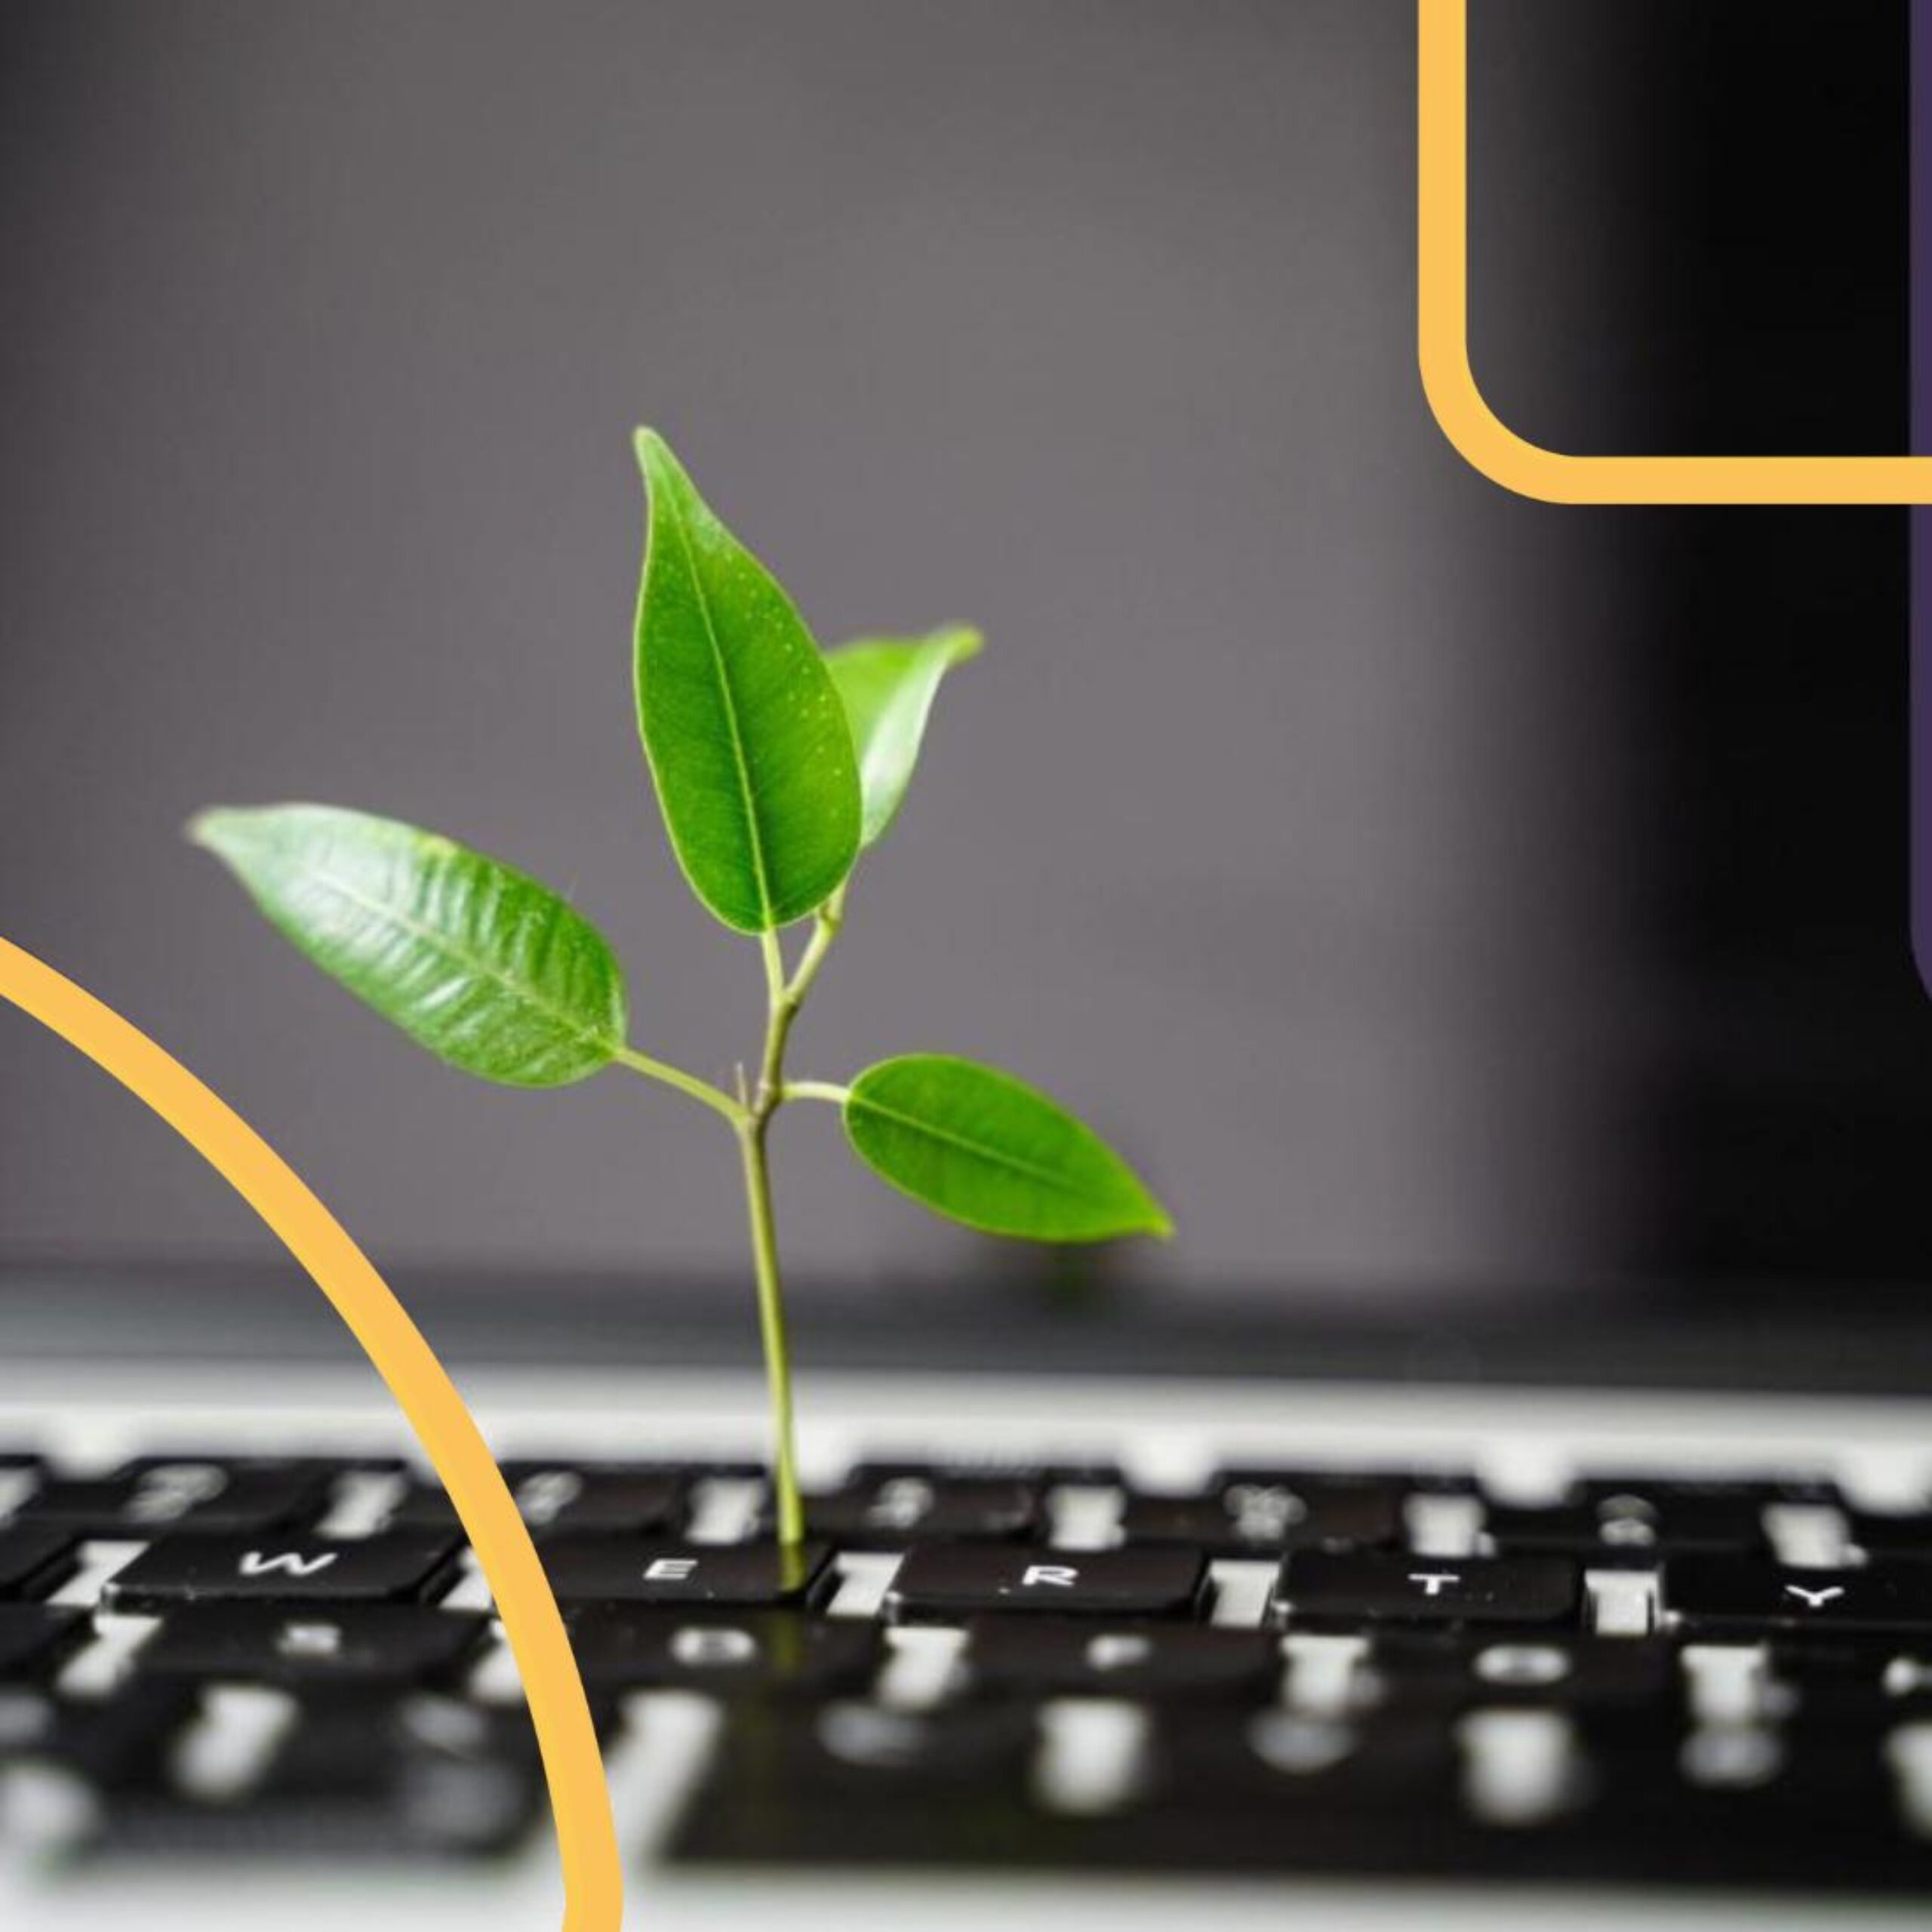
(776, 767)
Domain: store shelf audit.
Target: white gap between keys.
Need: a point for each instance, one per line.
(664, 1744)
(1445, 1525)
(1324, 1676)
(223, 1753)
(471, 1590)
(724, 1508)
(99, 1562)
(1083, 1515)
(1241, 1589)
(1519, 1767)
(99, 1667)
(363, 1502)
(1093, 1755)
(1809, 1535)
(494, 1678)
(864, 1576)
(923, 1663)
(1622, 1603)
(46, 1811)
(1734, 1757)
(1728, 1683)
(1908, 1752)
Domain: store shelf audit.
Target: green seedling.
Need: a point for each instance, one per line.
(776, 767)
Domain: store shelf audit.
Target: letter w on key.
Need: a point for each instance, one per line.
(286, 1563)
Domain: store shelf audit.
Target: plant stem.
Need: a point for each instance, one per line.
(784, 996)
(687, 1084)
(791, 1515)
(816, 1090)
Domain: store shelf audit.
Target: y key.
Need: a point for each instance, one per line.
(1710, 1596)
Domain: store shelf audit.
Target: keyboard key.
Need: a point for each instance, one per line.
(1335, 1588)
(35, 1558)
(152, 1495)
(34, 1639)
(1904, 1536)
(886, 1512)
(560, 1499)
(632, 1570)
(767, 1653)
(353, 1646)
(856, 1783)
(1250, 1517)
(113, 1744)
(947, 1582)
(187, 1568)
(359, 1779)
(1711, 1597)
(1052, 1657)
(1452, 1670)
(1613, 1527)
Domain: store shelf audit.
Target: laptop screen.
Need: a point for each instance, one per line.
(1422, 886)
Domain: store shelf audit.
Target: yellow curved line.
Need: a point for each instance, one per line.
(1465, 416)
(579, 1800)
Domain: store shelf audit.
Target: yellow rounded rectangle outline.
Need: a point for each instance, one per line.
(1486, 442)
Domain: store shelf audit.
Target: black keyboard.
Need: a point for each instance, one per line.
(1658, 1680)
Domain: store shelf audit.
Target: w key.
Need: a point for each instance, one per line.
(1710, 1596)
(197, 1569)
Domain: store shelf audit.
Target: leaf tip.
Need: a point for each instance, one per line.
(653, 452)
(214, 827)
(962, 642)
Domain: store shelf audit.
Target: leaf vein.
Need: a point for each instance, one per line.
(996, 1156)
(439, 941)
(747, 792)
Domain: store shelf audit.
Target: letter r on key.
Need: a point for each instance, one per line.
(1061, 1576)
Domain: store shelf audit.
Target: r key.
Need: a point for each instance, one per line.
(941, 1582)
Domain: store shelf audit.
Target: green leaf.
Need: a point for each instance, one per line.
(888, 684)
(488, 969)
(983, 1148)
(746, 738)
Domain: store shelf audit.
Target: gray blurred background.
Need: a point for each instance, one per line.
(1277, 828)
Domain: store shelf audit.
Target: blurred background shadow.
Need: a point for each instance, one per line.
(1423, 885)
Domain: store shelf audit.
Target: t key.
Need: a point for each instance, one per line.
(938, 1582)
(1710, 1596)
(196, 1569)
(1326, 1589)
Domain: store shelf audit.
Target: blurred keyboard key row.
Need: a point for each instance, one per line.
(1287, 1669)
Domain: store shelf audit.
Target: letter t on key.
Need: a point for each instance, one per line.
(1433, 1582)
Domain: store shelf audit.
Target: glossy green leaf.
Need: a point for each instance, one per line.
(746, 738)
(981, 1147)
(488, 969)
(888, 684)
